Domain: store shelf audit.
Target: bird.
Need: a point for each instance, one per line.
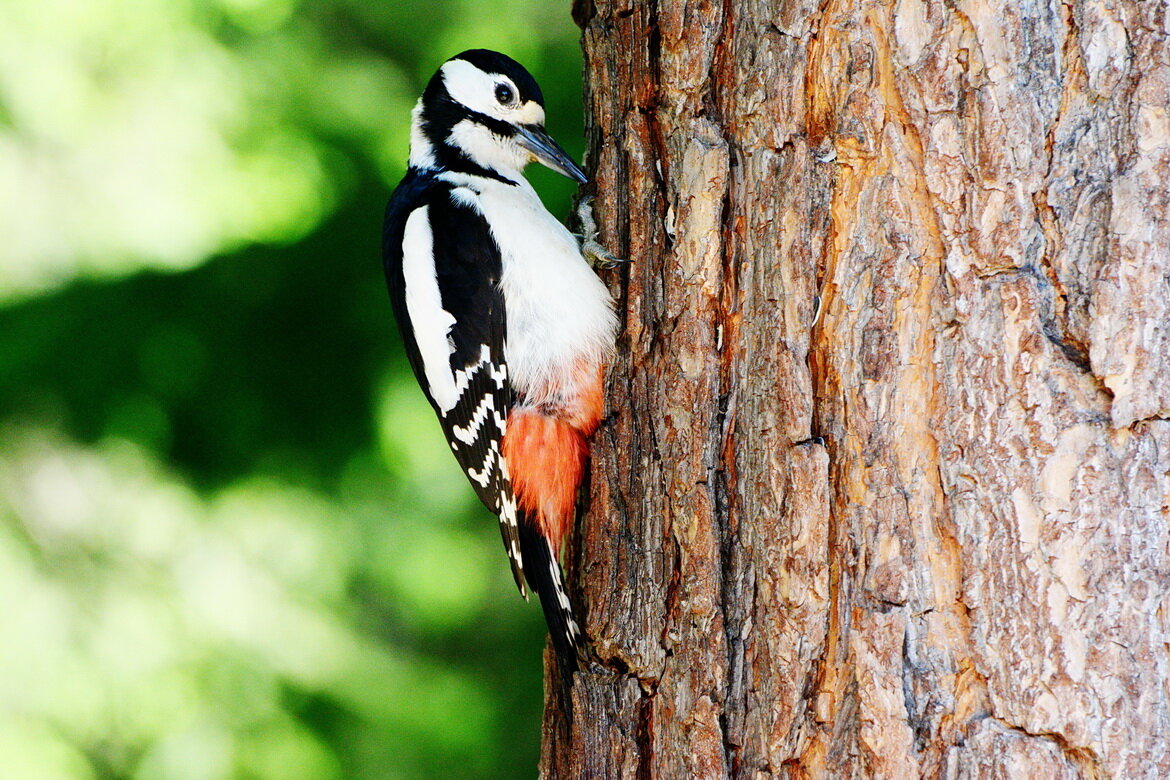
(505, 324)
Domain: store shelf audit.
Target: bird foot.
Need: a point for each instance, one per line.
(597, 255)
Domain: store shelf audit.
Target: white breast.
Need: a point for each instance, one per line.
(560, 315)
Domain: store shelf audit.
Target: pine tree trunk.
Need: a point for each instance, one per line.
(921, 528)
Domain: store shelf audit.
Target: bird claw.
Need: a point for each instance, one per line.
(597, 255)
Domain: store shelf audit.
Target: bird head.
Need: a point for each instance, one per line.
(482, 111)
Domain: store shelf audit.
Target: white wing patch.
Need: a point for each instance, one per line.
(487, 404)
(431, 322)
(483, 476)
(463, 376)
(469, 434)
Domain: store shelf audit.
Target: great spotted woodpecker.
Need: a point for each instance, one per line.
(504, 322)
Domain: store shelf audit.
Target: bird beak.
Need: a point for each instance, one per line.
(548, 152)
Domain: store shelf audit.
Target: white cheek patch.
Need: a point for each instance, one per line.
(430, 321)
(472, 138)
(486, 148)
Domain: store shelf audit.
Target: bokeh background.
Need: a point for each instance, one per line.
(232, 541)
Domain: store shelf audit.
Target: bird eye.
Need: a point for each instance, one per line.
(504, 94)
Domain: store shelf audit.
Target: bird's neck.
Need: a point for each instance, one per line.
(468, 148)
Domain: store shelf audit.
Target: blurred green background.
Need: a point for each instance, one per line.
(233, 543)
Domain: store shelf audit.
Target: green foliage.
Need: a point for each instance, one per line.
(232, 540)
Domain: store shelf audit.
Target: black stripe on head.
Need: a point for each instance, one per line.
(493, 62)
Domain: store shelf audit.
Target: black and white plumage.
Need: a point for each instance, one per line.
(468, 389)
(505, 324)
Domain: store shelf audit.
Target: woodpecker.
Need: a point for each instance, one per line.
(505, 324)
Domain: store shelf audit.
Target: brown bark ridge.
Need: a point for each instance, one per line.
(921, 529)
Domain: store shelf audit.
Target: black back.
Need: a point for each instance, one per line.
(467, 270)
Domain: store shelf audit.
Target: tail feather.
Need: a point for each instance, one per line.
(544, 575)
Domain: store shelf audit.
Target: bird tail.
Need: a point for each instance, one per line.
(544, 575)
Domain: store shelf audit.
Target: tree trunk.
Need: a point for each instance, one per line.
(921, 528)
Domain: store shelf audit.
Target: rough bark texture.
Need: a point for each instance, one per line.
(966, 576)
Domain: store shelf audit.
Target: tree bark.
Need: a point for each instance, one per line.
(921, 528)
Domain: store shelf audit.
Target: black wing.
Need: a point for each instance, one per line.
(467, 270)
(410, 194)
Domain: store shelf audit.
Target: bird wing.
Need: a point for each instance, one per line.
(443, 267)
